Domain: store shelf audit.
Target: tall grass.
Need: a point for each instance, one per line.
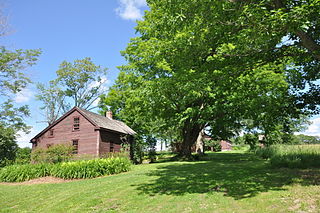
(66, 170)
(90, 168)
(292, 156)
(18, 173)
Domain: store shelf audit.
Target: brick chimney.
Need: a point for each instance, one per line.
(109, 114)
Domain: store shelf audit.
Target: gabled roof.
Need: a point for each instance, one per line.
(97, 120)
(107, 123)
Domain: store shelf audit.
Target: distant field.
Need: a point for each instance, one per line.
(224, 182)
(292, 156)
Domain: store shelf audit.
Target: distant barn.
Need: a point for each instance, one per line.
(88, 132)
(225, 144)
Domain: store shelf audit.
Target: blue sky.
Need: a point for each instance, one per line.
(69, 30)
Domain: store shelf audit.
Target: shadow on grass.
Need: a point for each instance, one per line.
(233, 174)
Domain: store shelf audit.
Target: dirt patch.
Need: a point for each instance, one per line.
(41, 180)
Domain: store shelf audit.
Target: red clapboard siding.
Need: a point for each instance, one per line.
(63, 134)
(108, 137)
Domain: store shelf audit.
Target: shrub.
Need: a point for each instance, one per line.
(215, 144)
(23, 156)
(18, 173)
(251, 140)
(90, 168)
(8, 145)
(54, 154)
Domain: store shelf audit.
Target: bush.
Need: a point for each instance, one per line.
(54, 154)
(251, 140)
(66, 170)
(91, 168)
(18, 173)
(23, 156)
(8, 145)
(215, 144)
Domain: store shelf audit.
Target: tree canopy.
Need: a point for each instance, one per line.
(226, 65)
(13, 79)
(79, 83)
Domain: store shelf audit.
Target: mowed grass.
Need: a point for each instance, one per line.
(224, 182)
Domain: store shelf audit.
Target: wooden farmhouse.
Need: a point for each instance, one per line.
(88, 132)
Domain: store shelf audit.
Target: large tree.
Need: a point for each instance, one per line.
(53, 101)
(180, 71)
(8, 145)
(219, 63)
(13, 79)
(79, 83)
(82, 80)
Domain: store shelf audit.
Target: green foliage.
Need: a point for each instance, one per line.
(23, 156)
(292, 156)
(66, 170)
(251, 140)
(138, 150)
(52, 98)
(8, 145)
(215, 144)
(18, 173)
(79, 83)
(305, 139)
(82, 81)
(197, 64)
(53, 154)
(240, 147)
(12, 81)
(151, 144)
(91, 168)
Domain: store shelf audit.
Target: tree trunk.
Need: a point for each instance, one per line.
(200, 144)
(190, 134)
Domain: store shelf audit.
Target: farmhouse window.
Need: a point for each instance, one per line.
(76, 123)
(51, 133)
(75, 146)
(111, 147)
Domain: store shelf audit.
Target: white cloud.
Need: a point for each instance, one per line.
(23, 96)
(96, 102)
(23, 139)
(314, 128)
(104, 81)
(131, 9)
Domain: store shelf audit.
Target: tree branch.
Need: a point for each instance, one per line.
(309, 43)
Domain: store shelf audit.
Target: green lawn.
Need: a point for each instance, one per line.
(225, 182)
